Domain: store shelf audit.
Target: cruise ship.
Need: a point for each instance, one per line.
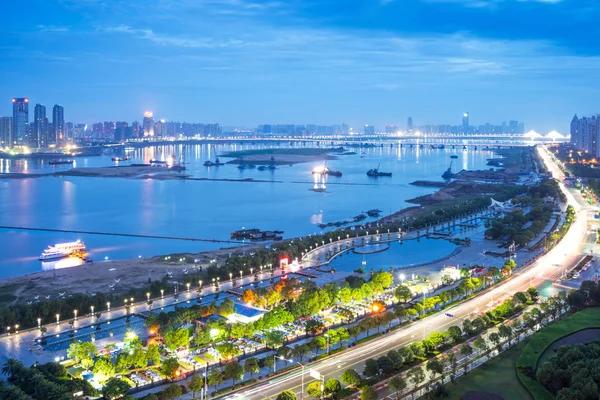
(62, 250)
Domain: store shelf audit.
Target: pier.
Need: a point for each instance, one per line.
(134, 235)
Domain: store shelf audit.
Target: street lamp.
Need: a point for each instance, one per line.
(16, 328)
(108, 306)
(402, 277)
(75, 312)
(148, 296)
(92, 308)
(241, 274)
(57, 319)
(275, 357)
(188, 286)
(39, 323)
(162, 293)
(230, 276)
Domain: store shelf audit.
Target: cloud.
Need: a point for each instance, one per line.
(492, 4)
(52, 28)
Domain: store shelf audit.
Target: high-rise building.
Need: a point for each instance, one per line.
(6, 132)
(465, 122)
(20, 119)
(575, 132)
(160, 128)
(97, 130)
(409, 124)
(585, 134)
(148, 124)
(120, 131)
(135, 129)
(58, 126)
(108, 130)
(39, 131)
(369, 130)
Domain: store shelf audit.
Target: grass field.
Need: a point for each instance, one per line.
(528, 361)
(498, 376)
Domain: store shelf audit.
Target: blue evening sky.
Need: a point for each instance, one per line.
(245, 62)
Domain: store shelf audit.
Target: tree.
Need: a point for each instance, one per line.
(103, 369)
(416, 375)
(313, 326)
(196, 384)
(385, 365)
(354, 331)
(301, 350)
(368, 393)
(251, 366)
(115, 388)
(274, 338)
(172, 392)
(351, 378)
(403, 293)
(249, 296)
(12, 367)
(533, 294)
(397, 385)
(371, 368)
(520, 298)
(455, 333)
(153, 355)
(83, 352)
(170, 366)
(332, 387)
(215, 377)
(286, 395)
(495, 338)
(480, 344)
(318, 343)
(233, 371)
(505, 331)
(313, 389)
(175, 339)
(435, 367)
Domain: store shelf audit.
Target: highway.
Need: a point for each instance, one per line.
(566, 253)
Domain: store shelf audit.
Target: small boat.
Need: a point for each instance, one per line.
(374, 212)
(120, 158)
(215, 163)
(448, 173)
(246, 166)
(158, 163)
(360, 217)
(375, 173)
(326, 171)
(454, 156)
(61, 162)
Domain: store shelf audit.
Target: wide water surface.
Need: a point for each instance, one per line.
(204, 209)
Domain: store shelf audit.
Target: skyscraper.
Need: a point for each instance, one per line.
(135, 126)
(20, 119)
(39, 133)
(575, 132)
(465, 122)
(148, 124)
(58, 125)
(409, 124)
(6, 136)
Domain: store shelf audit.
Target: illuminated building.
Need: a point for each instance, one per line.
(465, 122)
(6, 132)
(20, 119)
(148, 124)
(58, 125)
(39, 131)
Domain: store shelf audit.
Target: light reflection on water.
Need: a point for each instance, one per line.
(203, 209)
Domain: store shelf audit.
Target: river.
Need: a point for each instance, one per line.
(203, 209)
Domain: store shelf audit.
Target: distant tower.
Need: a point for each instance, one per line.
(575, 133)
(6, 135)
(58, 125)
(39, 133)
(148, 124)
(409, 124)
(20, 119)
(465, 122)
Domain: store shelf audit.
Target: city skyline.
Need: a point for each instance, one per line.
(251, 62)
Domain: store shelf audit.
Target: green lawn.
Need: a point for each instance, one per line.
(527, 362)
(498, 376)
